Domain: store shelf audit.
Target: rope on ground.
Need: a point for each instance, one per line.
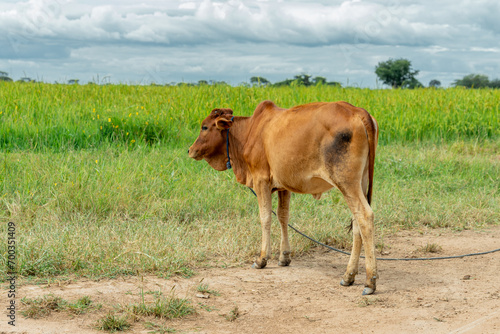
(388, 258)
(395, 259)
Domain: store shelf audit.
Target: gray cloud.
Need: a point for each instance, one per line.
(298, 23)
(232, 40)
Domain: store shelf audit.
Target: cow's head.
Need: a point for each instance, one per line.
(211, 143)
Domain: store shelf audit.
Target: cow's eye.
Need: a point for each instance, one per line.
(204, 128)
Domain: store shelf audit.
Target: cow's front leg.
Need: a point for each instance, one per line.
(265, 209)
(283, 214)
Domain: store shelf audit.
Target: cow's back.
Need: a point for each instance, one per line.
(305, 145)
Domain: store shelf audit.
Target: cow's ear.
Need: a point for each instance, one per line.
(223, 123)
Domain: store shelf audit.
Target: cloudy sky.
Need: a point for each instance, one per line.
(134, 41)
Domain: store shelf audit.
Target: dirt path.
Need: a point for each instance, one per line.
(450, 296)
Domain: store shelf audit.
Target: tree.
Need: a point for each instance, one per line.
(412, 84)
(259, 81)
(334, 83)
(217, 83)
(397, 73)
(495, 83)
(473, 81)
(302, 80)
(319, 81)
(305, 80)
(73, 81)
(322, 81)
(4, 76)
(286, 82)
(435, 83)
(26, 79)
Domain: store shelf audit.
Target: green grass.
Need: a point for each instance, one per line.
(125, 207)
(204, 288)
(113, 323)
(42, 116)
(169, 307)
(82, 305)
(129, 213)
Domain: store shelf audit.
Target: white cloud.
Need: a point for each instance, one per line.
(299, 23)
(435, 49)
(494, 50)
(235, 39)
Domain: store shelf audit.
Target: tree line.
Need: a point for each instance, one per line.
(4, 76)
(298, 80)
(397, 73)
(400, 74)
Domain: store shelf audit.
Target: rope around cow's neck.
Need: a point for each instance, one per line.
(228, 164)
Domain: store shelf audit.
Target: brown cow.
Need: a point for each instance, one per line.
(307, 149)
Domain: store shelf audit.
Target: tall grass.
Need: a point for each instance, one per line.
(98, 181)
(59, 117)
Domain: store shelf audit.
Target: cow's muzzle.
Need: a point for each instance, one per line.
(194, 154)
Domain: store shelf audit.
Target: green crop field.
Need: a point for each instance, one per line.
(98, 182)
(71, 117)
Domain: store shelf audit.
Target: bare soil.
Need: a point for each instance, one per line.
(448, 296)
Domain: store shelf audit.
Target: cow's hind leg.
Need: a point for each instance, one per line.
(283, 214)
(352, 267)
(363, 233)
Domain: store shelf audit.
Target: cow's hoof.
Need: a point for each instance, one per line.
(284, 263)
(368, 291)
(284, 259)
(259, 264)
(344, 283)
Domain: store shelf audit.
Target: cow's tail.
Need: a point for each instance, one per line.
(371, 129)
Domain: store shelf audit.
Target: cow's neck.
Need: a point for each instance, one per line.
(238, 135)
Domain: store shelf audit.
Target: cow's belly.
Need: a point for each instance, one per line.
(303, 184)
(296, 163)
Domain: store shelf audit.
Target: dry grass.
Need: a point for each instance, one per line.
(43, 306)
(431, 248)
